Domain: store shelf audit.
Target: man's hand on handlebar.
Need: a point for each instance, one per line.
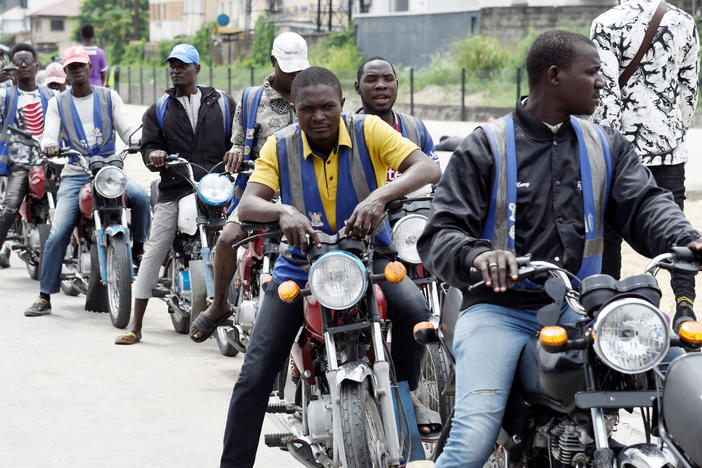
(158, 158)
(297, 228)
(365, 217)
(232, 160)
(52, 151)
(495, 265)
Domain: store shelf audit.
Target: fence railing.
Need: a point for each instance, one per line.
(453, 93)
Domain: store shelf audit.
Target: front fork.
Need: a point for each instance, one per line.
(102, 235)
(206, 255)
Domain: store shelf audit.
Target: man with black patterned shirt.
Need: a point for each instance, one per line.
(653, 109)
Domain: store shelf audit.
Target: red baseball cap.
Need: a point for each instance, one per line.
(75, 54)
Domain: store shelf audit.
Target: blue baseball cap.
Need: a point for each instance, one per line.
(185, 53)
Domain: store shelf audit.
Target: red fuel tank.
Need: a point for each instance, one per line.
(37, 182)
(85, 201)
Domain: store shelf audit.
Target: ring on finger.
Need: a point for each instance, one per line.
(492, 265)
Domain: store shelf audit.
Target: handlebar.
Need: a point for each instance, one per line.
(396, 205)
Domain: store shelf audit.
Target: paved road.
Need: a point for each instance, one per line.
(71, 398)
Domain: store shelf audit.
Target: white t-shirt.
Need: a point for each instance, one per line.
(84, 106)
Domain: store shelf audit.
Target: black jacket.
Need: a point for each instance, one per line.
(549, 222)
(206, 147)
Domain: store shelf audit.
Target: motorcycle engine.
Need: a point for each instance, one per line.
(319, 419)
(567, 440)
(246, 313)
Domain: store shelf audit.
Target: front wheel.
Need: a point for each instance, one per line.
(119, 284)
(434, 376)
(363, 435)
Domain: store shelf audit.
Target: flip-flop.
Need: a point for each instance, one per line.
(428, 418)
(129, 338)
(207, 326)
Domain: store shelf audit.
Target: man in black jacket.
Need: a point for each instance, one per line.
(567, 176)
(195, 122)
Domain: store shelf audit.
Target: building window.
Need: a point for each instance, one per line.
(57, 25)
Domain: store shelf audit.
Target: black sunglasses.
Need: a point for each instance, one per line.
(19, 61)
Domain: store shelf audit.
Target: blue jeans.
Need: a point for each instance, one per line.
(487, 344)
(66, 217)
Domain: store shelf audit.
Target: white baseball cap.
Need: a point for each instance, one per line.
(290, 50)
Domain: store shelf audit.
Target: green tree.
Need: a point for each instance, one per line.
(264, 33)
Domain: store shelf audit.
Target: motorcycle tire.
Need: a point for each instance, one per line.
(363, 436)
(198, 288)
(434, 376)
(34, 269)
(119, 284)
(224, 342)
(96, 296)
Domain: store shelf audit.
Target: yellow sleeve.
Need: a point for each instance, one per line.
(266, 171)
(386, 146)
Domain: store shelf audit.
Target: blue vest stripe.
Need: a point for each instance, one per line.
(161, 105)
(586, 180)
(511, 181)
(489, 228)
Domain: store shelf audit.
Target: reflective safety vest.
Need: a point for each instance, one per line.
(298, 186)
(72, 127)
(8, 118)
(595, 175)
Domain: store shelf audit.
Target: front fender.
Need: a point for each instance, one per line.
(357, 372)
(116, 233)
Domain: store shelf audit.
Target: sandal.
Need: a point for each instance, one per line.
(207, 326)
(426, 418)
(128, 338)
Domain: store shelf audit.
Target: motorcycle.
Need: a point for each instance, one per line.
(32, 227)
(408, 217)
(187, 281)
(98, 260)
(570, 386)
(255, 263)
(343, 361)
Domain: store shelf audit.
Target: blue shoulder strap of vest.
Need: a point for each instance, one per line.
(248, 116)
(161, 109)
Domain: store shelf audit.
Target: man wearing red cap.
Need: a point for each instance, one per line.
(86, 119)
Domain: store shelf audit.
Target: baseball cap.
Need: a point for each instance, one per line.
(290, 50)
(75, 54)
(185, 53)
(54, 73)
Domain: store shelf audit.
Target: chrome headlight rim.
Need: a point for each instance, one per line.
(203, 187)
(104, 173)
(601, 320)
(413, 257)
(320, 263)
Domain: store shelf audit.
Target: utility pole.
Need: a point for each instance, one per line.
(319, 15)
(350, 8)
(330, 14)
(136, 20)
(247, 20)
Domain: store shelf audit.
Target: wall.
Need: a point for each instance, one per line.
(510, 25)
(42, 33)
(411, 39)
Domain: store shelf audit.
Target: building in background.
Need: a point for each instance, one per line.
(52, 27)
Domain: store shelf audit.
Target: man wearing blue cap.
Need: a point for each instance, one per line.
(194, 122)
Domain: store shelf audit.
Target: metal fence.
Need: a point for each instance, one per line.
(453, 93)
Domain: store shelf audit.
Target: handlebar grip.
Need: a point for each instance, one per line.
(247, 166)
(475, 274)
(172, 157)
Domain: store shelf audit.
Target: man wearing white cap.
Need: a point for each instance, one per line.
(263, 111)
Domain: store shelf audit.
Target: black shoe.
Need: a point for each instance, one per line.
(40, 307)
(683, 313)
(4, 261)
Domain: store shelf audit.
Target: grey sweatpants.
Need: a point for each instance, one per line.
(163, 228)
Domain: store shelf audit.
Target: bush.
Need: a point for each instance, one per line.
(337, 52)
(480, 53)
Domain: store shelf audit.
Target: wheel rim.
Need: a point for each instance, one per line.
(375, 432)
(427, 390)
(112, 286)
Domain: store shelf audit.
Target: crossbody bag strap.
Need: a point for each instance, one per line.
(645, 44)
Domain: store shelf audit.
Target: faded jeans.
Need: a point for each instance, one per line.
(488, 341)
(66, 217)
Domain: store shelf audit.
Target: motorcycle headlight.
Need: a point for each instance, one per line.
(215, 189)
(338, 280)
(405, 234)
(631, 335)
(110, 182)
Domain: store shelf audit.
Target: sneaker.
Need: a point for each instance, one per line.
(4, 261)
(40, 307)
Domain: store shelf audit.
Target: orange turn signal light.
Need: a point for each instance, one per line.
(288, 291)
(395, 272)
(691, 332)
(553, 336)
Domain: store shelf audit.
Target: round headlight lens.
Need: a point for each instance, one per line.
(631, 335)
(110, 182)
(338, 280)
(405, 234)
(215, 189)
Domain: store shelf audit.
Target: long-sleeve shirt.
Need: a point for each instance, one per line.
(549, 216)
(84, 106)
(657, 105)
